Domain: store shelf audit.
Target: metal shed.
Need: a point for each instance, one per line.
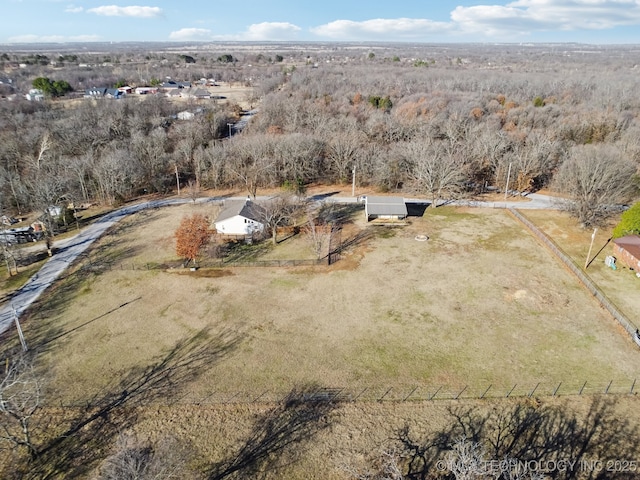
(392, 208)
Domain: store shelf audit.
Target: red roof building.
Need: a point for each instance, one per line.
(627, 249)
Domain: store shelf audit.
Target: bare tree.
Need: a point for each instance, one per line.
(137, 460)
(277, 212)
(596, 178)
(250, 161)
(20, 397)
(387, 467)
(318, 234)
(438, 170)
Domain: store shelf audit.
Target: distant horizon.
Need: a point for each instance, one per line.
(289, 43)
(596, 22)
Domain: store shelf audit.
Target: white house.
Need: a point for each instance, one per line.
(240, 217)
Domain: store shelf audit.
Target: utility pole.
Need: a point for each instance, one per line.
(177, 179)
(229, 125)
(506, 189)
(353, 182)
(20, 334)
(593, 237)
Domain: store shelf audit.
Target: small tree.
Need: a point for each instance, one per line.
(20, 397)
(278, 212)
(629, 222)
(191, 237)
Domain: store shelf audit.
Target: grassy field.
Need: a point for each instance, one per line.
(480, 303)
(199, 358)
(621, 285)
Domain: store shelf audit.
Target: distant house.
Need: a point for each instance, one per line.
(175, 93)
(35, 95)
(627, 249)
(146, 90)
(102, 92)
(126, 89)
(240, 217)
(185, 115)
(390, 208)
(197, 93)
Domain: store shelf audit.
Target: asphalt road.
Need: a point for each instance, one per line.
(68, 250)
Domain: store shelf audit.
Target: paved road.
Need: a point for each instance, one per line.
(68, 250)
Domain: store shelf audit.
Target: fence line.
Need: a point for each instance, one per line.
(100, 266)
(577, 271)
(404, 393)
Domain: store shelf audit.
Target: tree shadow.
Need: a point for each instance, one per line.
(528, 432)
(76, 445)
(278, 438)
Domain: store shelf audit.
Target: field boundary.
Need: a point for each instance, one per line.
(604, 301)
(407, 393)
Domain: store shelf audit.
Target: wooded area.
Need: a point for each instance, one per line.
(437, 121)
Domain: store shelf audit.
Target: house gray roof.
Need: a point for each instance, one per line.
(386, 206)
(244, 208)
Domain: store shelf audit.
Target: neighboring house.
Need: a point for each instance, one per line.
(240, 217)
(102, 92)
(35, 95)
(172, 85)
(627, 249)
(185, 115)
(127, 90)
(390, 208)
(146, 90)
(197, 93)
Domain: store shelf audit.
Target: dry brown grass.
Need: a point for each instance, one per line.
(621, 286)
(480, 303)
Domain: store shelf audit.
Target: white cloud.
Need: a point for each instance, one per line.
(382, 28)
(257, 32)
(543, 15)
(53, 38)
(192, 34)
(131, 11)
(73, 9)
(504, 21)
(271, 31)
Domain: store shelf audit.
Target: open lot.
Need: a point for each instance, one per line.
(480, 303)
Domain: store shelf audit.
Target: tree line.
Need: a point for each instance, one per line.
(444, 130)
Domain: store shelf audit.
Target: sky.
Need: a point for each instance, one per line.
(429, 21)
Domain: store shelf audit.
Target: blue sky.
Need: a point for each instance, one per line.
(585, 21)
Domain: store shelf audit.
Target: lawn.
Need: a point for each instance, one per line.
(479, 304)
(620, 286)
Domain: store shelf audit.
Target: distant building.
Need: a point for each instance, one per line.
(146, 90)
(627, 249)
(103, 92)
(35, 95)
